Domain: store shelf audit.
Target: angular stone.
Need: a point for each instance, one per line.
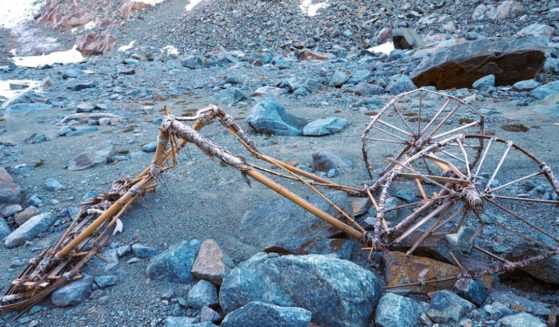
(95, 43)
(405, 38)
(30, 229)
(397, 311)
(4, 229)
(520, 303)
(401, 84)
(230, 96)
(544, 91)
(21, 217)
(522, 319)
(497, 310)
(510, 60)
(53, 184)
(258, 314)
(91, 157)
(175, 264)
(545, 270)
(281, 226)
(9, 190)
(73, 293)
(325, 126)
(202, 294)
(402, 269)
(324, 161)
(193, 62)
(208, 314)
(179, 321)
(10, 210)
(446, 307)
(473, 290)
(485, 83)
(337, 292)
(211, 263)
(269, 117)
(142, 251)
(526, 85)
(339, 78)
(105, 281)
(537, 30)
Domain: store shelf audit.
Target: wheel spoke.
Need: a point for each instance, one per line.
(383, 140)
(505, 154)
(437, 114)
(467, 163)
(420, 112)
(456, 130)
(504, 197)
(441, 123)
(402, 117)
(516, 181)
(394, 127)
(491, 140)
(389, 133)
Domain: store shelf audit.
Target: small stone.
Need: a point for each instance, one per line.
(270, 117)
(325, 126)
(339, 78)
(202, 294)
(497, 310)
(211, 263)
(522, 319)
(142, 251)
(193, 62)
(401, 84)
(405, 38)
(258, 314)
(472, 290)
(4, 228)
(485, 83)
(23, 216)
(85, 107)
(209, 314)
(53, 184)
(324, 161)
(446, 307)
(30, 229)
(179, 321)
(123, 250)
(527, 85)
(73, 293)
(397, 311)
(546, 90)
(105, 281)
(35, 200)
(10, 210)
(92, 157)
(9, 190)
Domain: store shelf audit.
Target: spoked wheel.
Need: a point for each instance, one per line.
(412, 121)
(484, 206)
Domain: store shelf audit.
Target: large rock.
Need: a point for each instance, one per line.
(520, 303)
(175, 264)
(405, 38)
(337, 292)
(258, 314)
(325, 126)
(446, 307)
(95, 43)
(281, 226)
(9, 190)
(545, 91)
(546, 270)
(510, 60)
(394, 310)
(30, 229)
(73, 293)
(522, 319)
(202, 294)
(269, 116)
(22, 109)
(211, 263)
(402, 269)
(537, 30)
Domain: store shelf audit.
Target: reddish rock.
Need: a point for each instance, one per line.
(130, 7)
(460, 65)
(24, 216)
(9, 190)
(210, 264)
(95, 43)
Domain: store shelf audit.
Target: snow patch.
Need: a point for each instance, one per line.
(57, 57)
(127, 47)
(311, 9)
(151, 2)
(192, 3)
(8, 93)
(15, 12)
(385, 48)
(170, 50)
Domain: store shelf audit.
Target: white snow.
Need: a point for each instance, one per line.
(170, 50)
(383, 48)
(15, 12)
(192, 3)
(6, 92)
(57, 57)
(311, 9)
(127, 47)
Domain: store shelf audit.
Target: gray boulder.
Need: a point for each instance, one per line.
(269, 116)
(546, 90)
(339, 78)
(258, 314)
(193, 62)
(511, 299)
(230, 96)
(472, 290)
(52, 184)
(510, 60)
(202, 294)
(485, 83)
(527, 85)
(537, 30)
(281, 226)
(9, 190)
(544, 270)
(394, 310)
(337, 292)
(30, 229)
(174, 264)
(72, 294)
(522, 319)
(401, 84)
(446, 307)
(325, 126)
(23, 109)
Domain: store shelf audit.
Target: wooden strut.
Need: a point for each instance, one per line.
(90, 230)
